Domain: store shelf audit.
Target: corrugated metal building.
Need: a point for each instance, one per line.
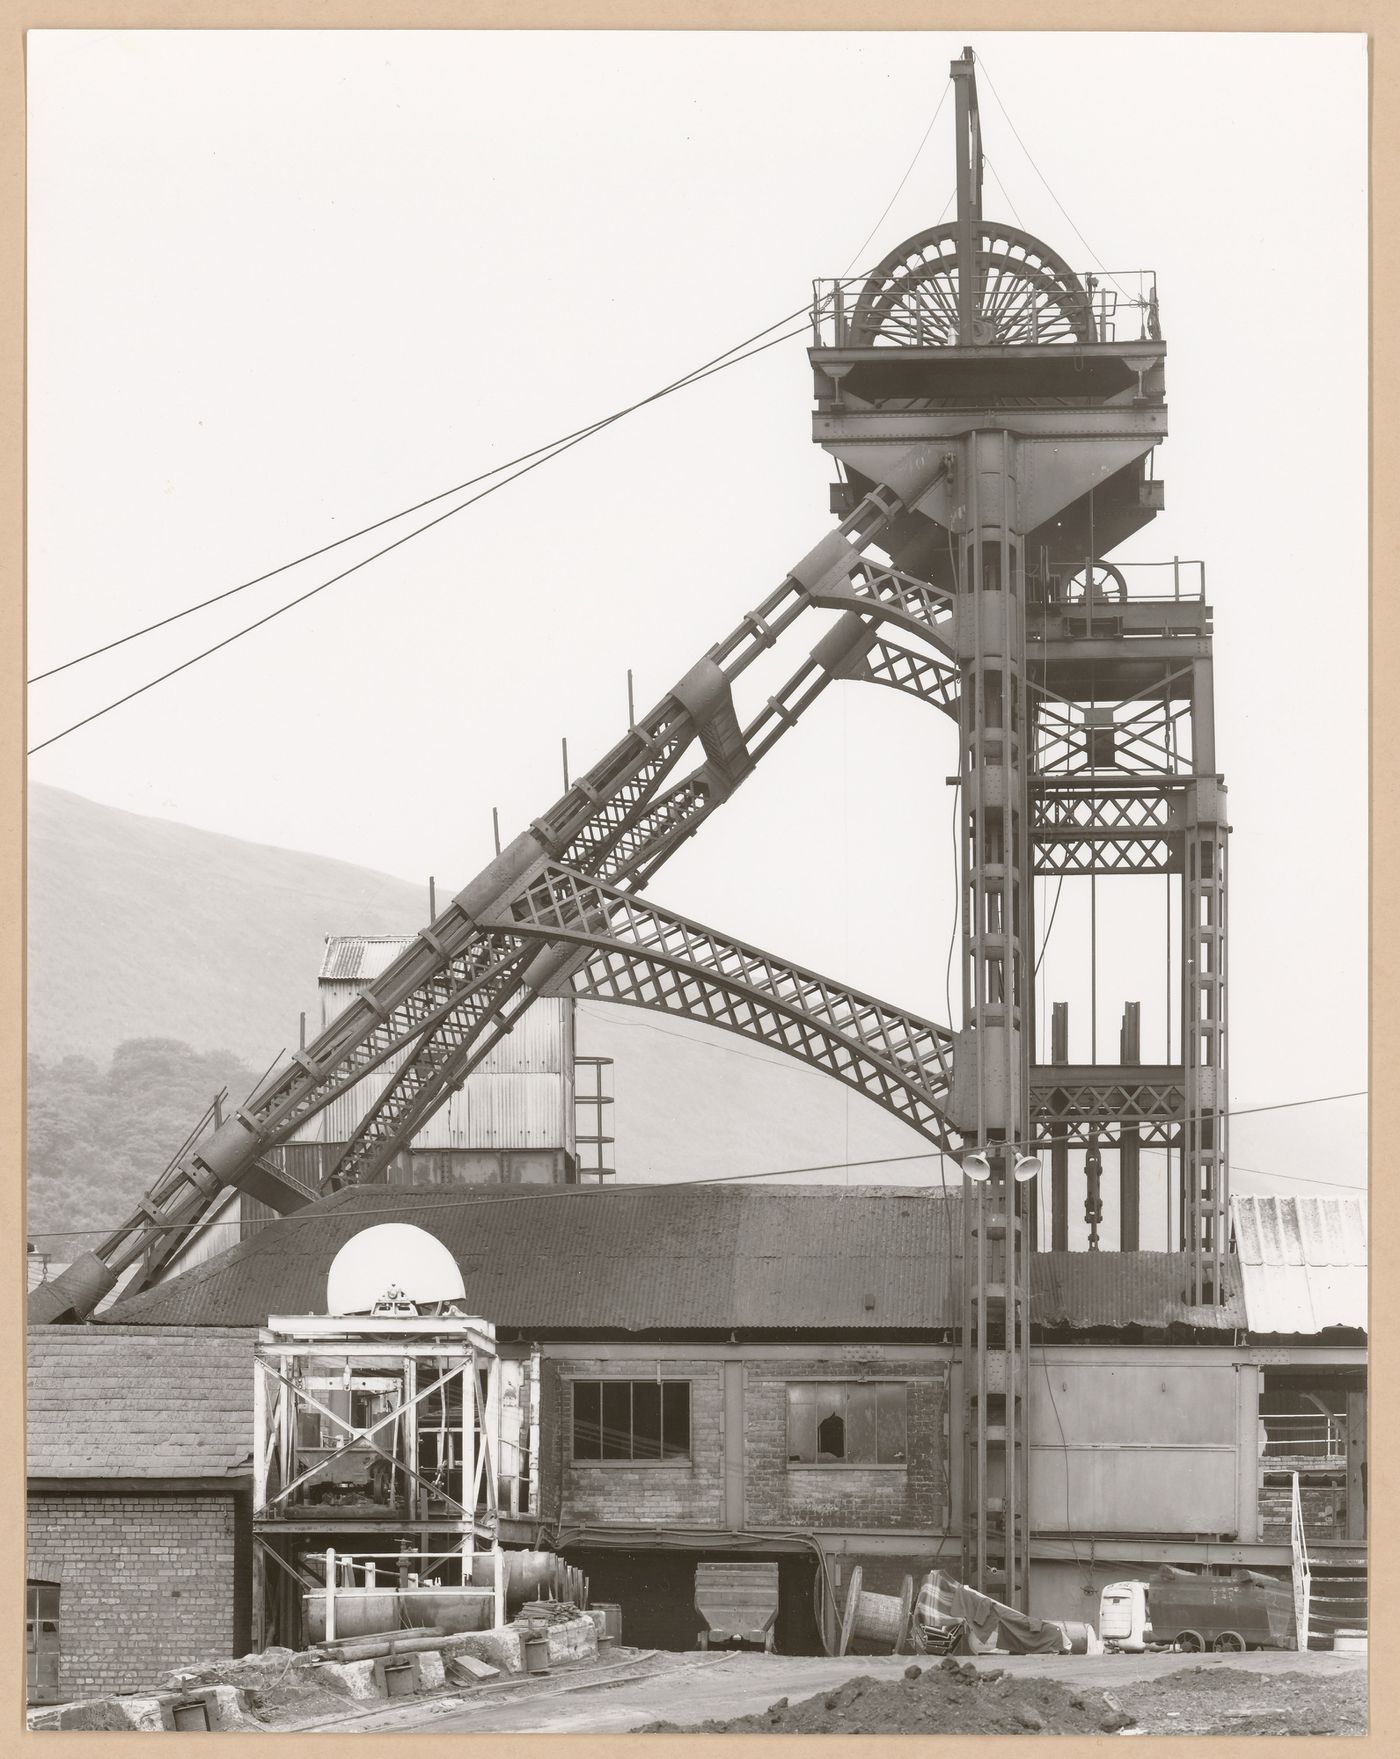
(511, 1121)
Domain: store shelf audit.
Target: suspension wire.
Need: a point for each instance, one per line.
(417, 531)
(550, 446)
(1005, 194)
(948, 86)
(1041, 175)
(1059, 883)
(582, 1191)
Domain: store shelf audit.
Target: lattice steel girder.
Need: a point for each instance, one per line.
(1080, 1134)
(444, 1057)
(1144, 1093)
(1097, 828)
(440, 970)
(632, 951)
(837, 578)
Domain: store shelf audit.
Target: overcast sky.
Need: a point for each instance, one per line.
(283, 284)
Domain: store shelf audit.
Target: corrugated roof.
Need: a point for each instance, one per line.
(1302, 1261)
(679, 1258)
(644, 1258)
(360, 958)
(117, 1401)
(1091, 1291)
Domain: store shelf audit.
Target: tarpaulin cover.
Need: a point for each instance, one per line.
(943, 1600)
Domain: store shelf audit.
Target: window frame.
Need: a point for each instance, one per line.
(875, 1380)
(676, 1462)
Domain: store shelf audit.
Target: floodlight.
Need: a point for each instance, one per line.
(977, 1167)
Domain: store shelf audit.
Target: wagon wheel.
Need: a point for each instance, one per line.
(1228, 1643)
(1098, 581)
(1025, 293)
(1191, 1641)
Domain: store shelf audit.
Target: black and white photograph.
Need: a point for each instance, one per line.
(584, 1174)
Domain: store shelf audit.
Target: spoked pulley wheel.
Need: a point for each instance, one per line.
(1025, 293)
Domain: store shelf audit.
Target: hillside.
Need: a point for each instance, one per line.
(165, 961)
(140, 928)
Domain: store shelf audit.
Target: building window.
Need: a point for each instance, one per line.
(847, 1423)
(631, 1419)
(41, 1642)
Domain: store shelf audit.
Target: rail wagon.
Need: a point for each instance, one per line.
(1227, 1614)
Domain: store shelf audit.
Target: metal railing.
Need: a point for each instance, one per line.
(1122, 307)
(1302, 1436)
(1178, 580)
(1302, 1572)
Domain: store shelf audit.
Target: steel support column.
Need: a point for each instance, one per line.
(994, 1109)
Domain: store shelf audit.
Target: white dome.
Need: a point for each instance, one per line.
(391, 1255)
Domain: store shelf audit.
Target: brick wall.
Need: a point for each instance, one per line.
(620, 1493)
(1324, 1511)
(147, 1581)
(777, 1494)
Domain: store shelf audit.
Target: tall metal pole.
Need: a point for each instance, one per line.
(968, 126)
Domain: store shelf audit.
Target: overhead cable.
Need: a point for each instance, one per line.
(735, 1179)
(547, 455)
(559, 443)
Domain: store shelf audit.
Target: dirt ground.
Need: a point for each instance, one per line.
(1263, 1692)
(949, 1697)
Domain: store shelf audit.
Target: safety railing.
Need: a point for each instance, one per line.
(1120, 304)
(1302, 1572)
(1177, 580)
(1303, 1436)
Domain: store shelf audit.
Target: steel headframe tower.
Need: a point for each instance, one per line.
(1085, 743)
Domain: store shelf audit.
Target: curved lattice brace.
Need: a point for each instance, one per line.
(631, 944)
(890, 595)
(677, 987)
(442, 1061)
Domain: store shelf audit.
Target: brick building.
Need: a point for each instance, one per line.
(138, 1458)
(748, 1371)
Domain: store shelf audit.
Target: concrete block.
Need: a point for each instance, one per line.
(500, 1648)
(92, 1713)
(354, 1678)
(577, 1640)
(141, 1713)
(432, 1673)
(223, 1704)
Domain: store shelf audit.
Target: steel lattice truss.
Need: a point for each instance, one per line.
(1144, 1097)
(558, 912)
(1145, 735)
(640, 954)
(1102, 830)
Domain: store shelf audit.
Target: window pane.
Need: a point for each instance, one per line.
(831, 1423)
(802, 1424)
(894, 1419)
(860, 1424)
(617, 1419)
(587, 1425)
(675, 1420)
(646, 1420)
(48, 1602)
